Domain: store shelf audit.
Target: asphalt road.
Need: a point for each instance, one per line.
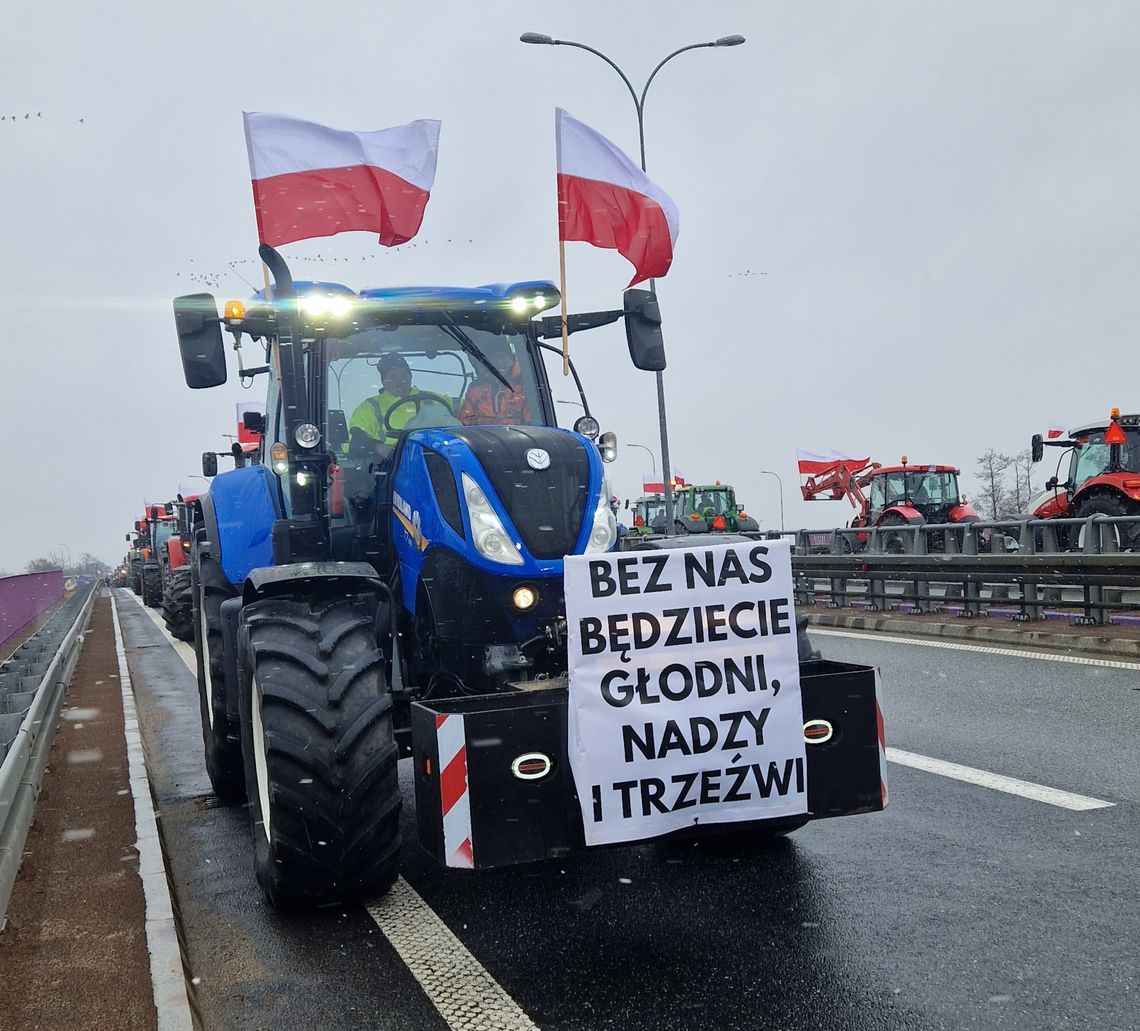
(959, 907)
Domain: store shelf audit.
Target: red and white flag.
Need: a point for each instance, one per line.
(606, 200)
(658, 486)
(245, 436)
(811, 464)
(310, 180)
(1055, 431)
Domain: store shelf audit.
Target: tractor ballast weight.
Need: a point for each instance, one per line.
(350, 589)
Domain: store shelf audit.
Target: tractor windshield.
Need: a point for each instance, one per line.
(922, 489)
(382, 381)
(647, 512)
(1092, 456)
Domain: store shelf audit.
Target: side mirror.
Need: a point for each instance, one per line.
(200, 340)
(209, 463)
(739, 508)
(643, 330)
(128, 538)
(254, 421)
(607, 444)
(1036, 448)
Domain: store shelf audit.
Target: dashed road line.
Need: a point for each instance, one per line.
(457, 984)
(1017, 653)
(185, 651)
(998, 782)
(168, 981)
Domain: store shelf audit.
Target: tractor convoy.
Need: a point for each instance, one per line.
(382, 568)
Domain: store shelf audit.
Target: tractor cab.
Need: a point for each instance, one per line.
(648, 514)
(712, 509)
(928, 491)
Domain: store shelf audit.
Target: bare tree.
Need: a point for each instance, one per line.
(1022, 468)
(994, 496)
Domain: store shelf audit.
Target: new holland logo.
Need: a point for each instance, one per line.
(536, 458)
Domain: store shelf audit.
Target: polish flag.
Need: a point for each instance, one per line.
(1055, 431)
(658, 486)
(245, 436)
(606, 200)
(811, 464)
(310, 180)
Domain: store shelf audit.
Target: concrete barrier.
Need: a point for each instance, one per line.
(24, 598)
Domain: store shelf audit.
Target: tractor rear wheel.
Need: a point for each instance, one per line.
(178, 605)
(152, 585)
(320, 753)
(221, 733)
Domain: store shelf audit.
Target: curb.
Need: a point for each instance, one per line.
(167, 975)
(1088, 643)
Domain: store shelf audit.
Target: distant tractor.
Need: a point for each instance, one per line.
(892, 496)
(711, 509)
(1102, 476)
(648, 512)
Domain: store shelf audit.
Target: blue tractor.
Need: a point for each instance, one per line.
(395, 557)
(347, 573)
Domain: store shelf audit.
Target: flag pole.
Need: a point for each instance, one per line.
(562, 286)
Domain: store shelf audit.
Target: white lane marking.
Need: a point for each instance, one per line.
(465, 995)
(1017, 653)
(185, 651)
(168, 982)
(1010, 785)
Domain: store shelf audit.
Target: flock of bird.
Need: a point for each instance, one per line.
(27, 117)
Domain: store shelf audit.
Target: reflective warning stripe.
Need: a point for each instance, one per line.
(454, 798)
(882, 737)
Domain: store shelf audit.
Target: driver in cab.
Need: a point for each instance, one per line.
(370, 426)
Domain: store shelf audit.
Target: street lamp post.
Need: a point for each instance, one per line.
(68, 546)
(768, 472)
(652, 458)
(639, 105)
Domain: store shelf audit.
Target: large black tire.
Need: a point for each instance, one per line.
(1109, 505)
(151, 585)
(221, 731)
(178, 605)
(320, 751)
(893, 543)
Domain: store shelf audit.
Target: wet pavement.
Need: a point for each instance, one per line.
(959, 907)
(74, 953)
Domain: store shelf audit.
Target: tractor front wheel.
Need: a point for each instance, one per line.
(894, 542)
(152, 585)
(1127, 536)
(320, 753)
(220, 730)
(178, 605)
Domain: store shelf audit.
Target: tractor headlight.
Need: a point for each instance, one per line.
(491, 540)
(603, 533)
(307, 435)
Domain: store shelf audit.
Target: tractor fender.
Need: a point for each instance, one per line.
(239, 513)
(296, 578)
(963, 514)
(908, 513)
(1117, 483)
(176, 554)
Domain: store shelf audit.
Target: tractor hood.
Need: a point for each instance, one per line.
(545, 479)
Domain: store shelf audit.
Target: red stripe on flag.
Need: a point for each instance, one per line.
(453, 781)
(616, 218)
(327, 201)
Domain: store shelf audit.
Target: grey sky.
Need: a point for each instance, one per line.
(942, 197)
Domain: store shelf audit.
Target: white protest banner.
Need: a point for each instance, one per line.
(684, 688)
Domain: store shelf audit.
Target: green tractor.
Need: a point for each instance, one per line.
(647, 514)
(710, 509)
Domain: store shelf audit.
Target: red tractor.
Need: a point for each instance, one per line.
(1102, 476)
(897, 495)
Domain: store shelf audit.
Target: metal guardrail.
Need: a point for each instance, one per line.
(32, 686)
(1025, 553)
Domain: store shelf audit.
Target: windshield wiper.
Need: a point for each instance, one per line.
(459, 335)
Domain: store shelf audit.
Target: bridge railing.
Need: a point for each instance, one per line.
(1041, 558)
